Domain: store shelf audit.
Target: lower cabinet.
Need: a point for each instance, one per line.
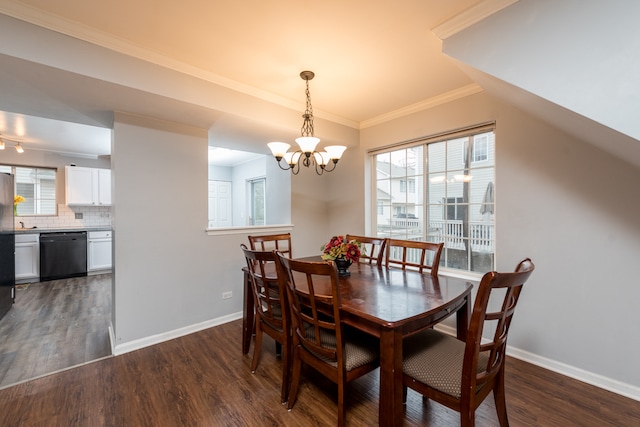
(27, 257)
(99, 250)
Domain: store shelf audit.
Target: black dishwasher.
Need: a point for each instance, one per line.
(63, 255)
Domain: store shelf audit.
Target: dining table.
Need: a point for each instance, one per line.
(390, 304)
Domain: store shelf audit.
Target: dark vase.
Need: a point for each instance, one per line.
(343, 267)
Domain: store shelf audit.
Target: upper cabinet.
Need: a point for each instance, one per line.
(88, 186)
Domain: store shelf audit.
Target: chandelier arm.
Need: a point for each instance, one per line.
(334, 162)
(295, 169)
(280, 165)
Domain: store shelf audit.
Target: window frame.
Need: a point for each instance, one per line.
(479, 251)
(252, 185)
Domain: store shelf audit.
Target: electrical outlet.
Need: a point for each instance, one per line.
(227, 295)
(79, 215)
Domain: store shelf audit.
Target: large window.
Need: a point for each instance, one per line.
(447, 201)
(37, 186)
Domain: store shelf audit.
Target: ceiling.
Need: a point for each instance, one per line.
(371, 59)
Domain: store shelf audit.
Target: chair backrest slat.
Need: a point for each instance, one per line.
(269, 297)
(372, 248)
(314, 299)
(412, 254)
(272, 242)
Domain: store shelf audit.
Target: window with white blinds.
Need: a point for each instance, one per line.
(37, 186)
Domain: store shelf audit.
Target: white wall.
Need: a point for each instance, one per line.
(220, 173)
(571, 208)
(578, 54)
(169, 275)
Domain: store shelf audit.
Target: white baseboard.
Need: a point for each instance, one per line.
(600, 381)
(166, 336)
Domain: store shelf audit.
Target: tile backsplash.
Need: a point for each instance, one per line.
(70, 217)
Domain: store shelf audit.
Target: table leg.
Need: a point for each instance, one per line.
(391, 411)
(463, 316)
(247, 313)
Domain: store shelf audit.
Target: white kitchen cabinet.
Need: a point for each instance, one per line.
(27, 257)
(99, 250)
(88, 186)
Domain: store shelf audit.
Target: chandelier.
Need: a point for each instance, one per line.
(322, 161)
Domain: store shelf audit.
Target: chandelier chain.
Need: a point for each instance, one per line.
(307, 125)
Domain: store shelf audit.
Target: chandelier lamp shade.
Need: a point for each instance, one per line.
(322, 161)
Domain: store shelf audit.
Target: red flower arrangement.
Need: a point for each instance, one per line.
(339, 248)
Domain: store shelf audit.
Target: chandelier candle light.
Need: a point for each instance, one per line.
(307, 154)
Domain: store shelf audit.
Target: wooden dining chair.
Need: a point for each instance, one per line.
(372, 248)
(413, 254)
(271, 308)
(319, 337)
(460, 374)
(277, 242)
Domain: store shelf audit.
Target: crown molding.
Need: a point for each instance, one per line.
(88, 34)
(444, 98)
(469, 17)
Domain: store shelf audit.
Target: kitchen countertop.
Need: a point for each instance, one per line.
(60, 230)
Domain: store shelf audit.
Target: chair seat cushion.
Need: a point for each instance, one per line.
(436, 359)
(359, 349)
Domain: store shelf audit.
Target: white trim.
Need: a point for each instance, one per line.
(176, 333)
(252, 229)
(459, 93)
(597, 380)
(469, 17)
(461, 274)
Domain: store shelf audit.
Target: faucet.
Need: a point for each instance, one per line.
(21, 224)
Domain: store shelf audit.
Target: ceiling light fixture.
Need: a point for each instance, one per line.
(18, 146)
(307, 154)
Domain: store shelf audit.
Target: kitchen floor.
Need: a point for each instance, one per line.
(53, 326)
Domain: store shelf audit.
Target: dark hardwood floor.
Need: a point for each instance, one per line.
(203, 380)
(55, 325)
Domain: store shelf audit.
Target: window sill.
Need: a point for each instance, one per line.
(467, 275)
(273, 229)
